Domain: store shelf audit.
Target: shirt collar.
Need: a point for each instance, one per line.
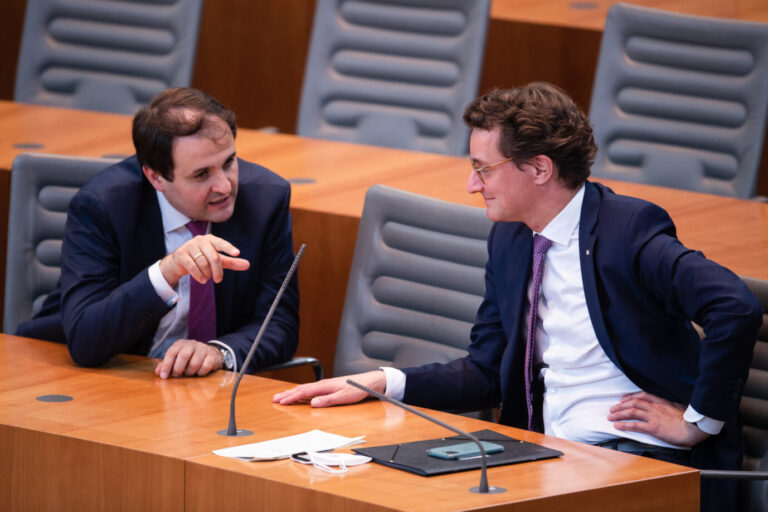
(561, 228)
(173, 219)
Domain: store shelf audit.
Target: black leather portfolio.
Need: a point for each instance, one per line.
(413, 456)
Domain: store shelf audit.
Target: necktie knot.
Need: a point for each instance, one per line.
(197, 227)
(540, 245)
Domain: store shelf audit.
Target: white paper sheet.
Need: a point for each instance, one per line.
(281, 448)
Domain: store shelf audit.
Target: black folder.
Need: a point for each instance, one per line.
(413, 456)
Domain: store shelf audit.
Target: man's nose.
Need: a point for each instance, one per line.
(474, 184)
(221, 184)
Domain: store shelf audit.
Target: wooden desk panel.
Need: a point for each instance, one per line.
(129, 441)
(586, 478)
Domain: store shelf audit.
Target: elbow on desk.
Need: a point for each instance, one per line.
(84, 352)
(85, 358)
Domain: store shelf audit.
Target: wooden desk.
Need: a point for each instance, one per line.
(129, 441)
(330, 180)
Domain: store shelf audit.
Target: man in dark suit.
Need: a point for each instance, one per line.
(585, 328)
(147, 238)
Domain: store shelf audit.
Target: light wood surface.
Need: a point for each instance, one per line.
(591, 14)
(129, 441)
(326, 211)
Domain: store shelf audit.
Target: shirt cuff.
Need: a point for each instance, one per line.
(161, 286)
(228, 349)
(705, 424)
(395, 382)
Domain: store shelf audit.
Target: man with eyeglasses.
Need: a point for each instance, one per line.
(585, 328)
(177, 251)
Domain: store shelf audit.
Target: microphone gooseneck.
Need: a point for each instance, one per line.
(232, 427)
(483, 488)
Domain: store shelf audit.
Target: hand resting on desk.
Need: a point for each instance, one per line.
(336, 391)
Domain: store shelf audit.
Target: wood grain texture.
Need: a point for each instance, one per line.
(130, 441)
(591, 14)
(251, 56)
(585, 478)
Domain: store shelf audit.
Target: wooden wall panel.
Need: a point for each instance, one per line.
(251, 56)
(11, 21)
(43, 471)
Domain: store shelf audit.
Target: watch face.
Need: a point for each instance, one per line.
(229, 361)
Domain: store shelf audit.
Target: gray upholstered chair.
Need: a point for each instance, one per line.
(416, 282)
(394, 73)
(680, 101)
(754, 415)
(41, 187)
(105, 55)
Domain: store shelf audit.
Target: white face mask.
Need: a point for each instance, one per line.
(325, 460)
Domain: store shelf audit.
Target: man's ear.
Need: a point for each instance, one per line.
(154, 177)
(543, 169)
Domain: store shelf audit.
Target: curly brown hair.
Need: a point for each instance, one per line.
(538, 119)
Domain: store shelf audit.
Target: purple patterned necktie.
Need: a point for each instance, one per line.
(201, 321)
(540, 246)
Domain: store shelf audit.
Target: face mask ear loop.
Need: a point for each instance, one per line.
(323, 467)
(328, 469)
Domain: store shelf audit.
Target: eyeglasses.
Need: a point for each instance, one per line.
(480, 171)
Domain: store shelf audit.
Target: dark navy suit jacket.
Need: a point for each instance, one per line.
(643, 288)
(105, 303)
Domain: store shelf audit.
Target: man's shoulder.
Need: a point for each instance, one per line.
(617, 207)
(120, 176)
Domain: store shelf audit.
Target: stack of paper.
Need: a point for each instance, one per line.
(314, 441)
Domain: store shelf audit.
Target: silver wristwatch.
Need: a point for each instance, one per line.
(228, 360)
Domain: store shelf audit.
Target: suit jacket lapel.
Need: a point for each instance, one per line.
(588, 247)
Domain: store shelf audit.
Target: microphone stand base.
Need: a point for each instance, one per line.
(240, 433)
(491, 490)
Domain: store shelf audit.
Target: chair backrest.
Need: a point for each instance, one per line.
(395, 73)
(105, 55)
(41, 188)
(754, 406)
(680, 101)
(416, 282)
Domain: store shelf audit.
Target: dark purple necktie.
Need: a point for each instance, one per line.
(201, 321)
(540, 246)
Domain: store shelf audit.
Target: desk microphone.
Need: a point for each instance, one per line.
(483, 487)
(232, 429)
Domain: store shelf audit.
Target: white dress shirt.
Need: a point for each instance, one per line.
(581, 382)
(173, 326)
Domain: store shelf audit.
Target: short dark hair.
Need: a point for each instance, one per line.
(538, 119)
(165, 118)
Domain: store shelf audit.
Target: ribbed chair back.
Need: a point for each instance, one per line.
(416, 282)
(681, 101)
(41, 188)
(395, 73)
(754, 407)
(105, 55)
